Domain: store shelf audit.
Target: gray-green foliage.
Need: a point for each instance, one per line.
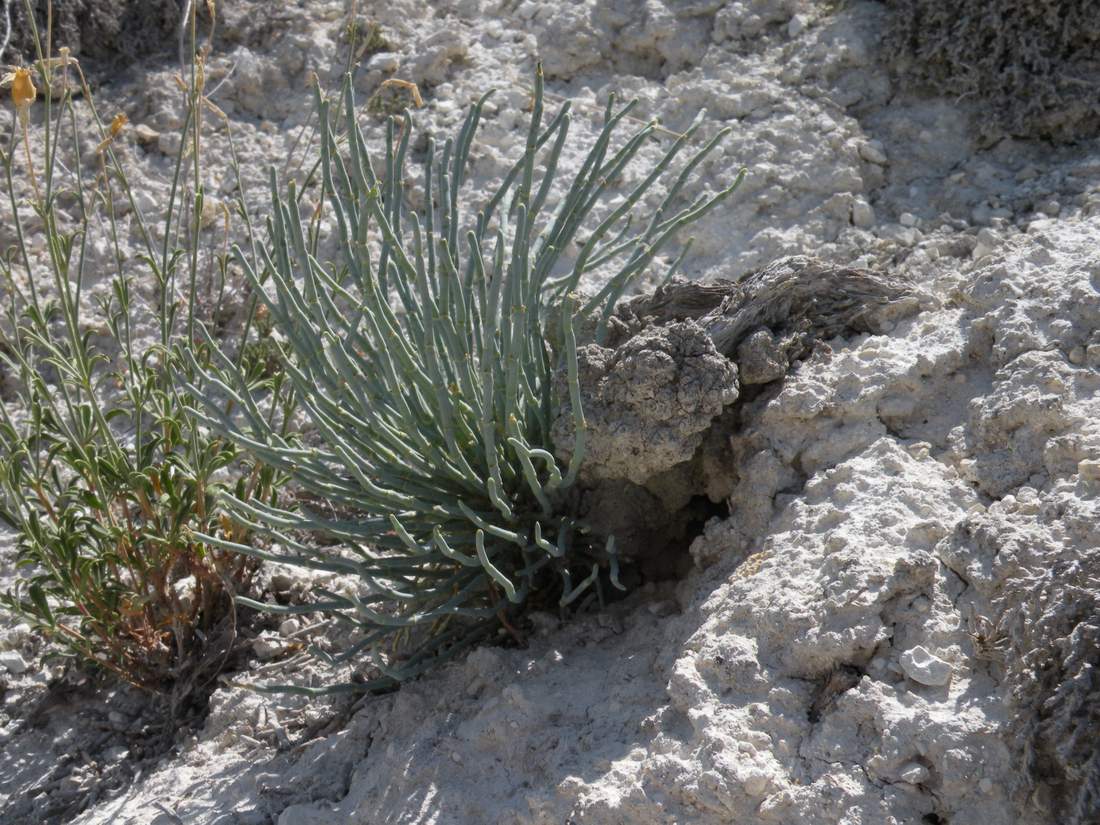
(423, 361)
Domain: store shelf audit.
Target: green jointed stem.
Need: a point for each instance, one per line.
(422, 356)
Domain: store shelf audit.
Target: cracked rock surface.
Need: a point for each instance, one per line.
(675, 356)
(648, 402)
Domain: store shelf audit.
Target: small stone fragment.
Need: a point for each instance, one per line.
(1089, 469)
(863, 215)
(987, 242)
(924, 668)
(281, 582)
(1050, 208)
(146, 135)
(873, 152)
(759, 359)
(16, 636)
(756, 784)
(385, 62)
(914, 773)
(267, 646)
(12, 661)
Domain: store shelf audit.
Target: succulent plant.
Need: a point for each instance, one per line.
(424, 359)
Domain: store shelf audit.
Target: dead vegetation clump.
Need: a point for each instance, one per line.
(111, 32)
(1033, 64)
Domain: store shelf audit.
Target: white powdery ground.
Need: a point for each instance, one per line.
(785, 679)
(819, 667)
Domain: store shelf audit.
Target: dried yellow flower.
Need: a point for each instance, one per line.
(23, 93)
(408, 86)
(117, 125)
(120, 120)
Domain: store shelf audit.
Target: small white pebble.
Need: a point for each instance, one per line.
(385, 62)
(914, 773)
(863, 215)
(985, 784)
(1089, 469)
(924, 668)
(873, 152)
(16, 636)
(756, 784)
(266, 646)
(919, 449)
(12, 661)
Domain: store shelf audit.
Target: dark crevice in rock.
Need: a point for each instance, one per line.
(663, 395)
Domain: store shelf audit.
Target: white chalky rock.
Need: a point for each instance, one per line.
(863, 215)
(921, 666)
(756, 784)
(12, 661)
(267, 646)
(873, 152)
(384, 62)
(1089, 469)
(15, 636)
(914, 773)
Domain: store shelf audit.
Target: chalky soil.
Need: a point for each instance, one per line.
(908, 570)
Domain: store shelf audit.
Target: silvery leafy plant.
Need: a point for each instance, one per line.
(424, 360)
